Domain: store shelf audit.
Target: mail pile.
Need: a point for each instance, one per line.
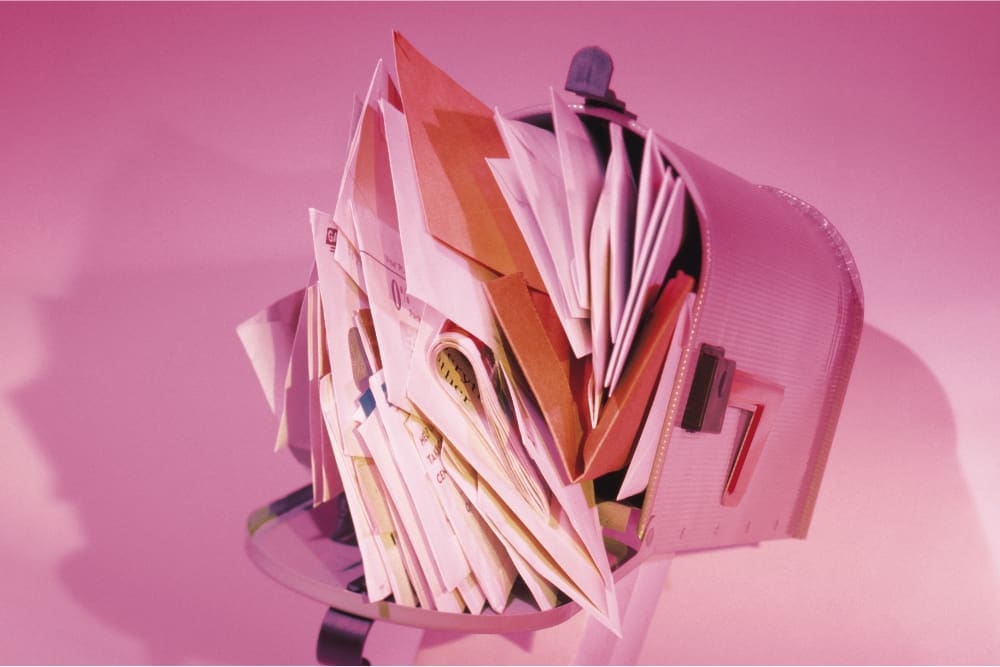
(489, 328)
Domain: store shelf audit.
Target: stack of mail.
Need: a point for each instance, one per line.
(489, 327)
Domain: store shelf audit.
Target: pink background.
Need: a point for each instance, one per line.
(156, 163)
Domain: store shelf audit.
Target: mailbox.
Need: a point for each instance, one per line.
(751, 408)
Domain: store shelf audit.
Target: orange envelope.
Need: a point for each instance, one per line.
(608, 446)
(452, 134)
(531, 328)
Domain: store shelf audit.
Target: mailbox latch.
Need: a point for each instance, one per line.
(710, 388)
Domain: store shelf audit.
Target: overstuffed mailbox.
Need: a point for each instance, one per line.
(538, 352)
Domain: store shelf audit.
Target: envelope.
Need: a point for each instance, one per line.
(418, 580)
(325, 476)
(608, 446)
(534, 155)
(542, 592)
(600, 310)
(452, 134)
(359, 166)
(577, 328)
(395, 314)
(575, 501)
(293, 423)
(355, 119)
(383, 570)
(583, 175)
(641, 465)
(491, 566)
(391, 543)
(268, 338)
(651, 176)
(406, 513)
(557, 554)
(660, 248)
(467, 481)
(543, 356)
(407, 474)
(275, 341)
(619, 187)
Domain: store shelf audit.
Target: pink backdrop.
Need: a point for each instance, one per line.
(157, 163)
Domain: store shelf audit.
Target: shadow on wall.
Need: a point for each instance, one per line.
(152, 420)
(896, 567)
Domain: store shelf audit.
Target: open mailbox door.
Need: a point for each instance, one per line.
(650, 352)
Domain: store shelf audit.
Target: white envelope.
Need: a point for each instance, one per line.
(267, 338)
(341, 298)
(419, 488)
(371, 432)
(491, 567)
(543, 593)
(651, 176)
(359, 104)
(275, 341)
(395, 313)
(575, 501)
(609, 254)
(583, 176)
(619, 186)
(535, 156)
(391, 540)
(325, 475)
(378, 89)
(376, 573)
(577, 329)
(664, 242)
(557, 554)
